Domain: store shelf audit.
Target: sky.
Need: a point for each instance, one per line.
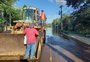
(50, 7)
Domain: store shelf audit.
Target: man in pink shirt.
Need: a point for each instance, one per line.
(31, 41)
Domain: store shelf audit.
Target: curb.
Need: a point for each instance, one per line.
(75, 39)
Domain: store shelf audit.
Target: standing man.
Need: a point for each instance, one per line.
(42, 17)
(30, 33)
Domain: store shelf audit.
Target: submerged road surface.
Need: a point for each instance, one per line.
(66, 49)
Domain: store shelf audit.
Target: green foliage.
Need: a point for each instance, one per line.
(16, 14)
(2, 20)
(78, 3)
(6, 4)
(8, 10)
(24, 6)
(80, 18)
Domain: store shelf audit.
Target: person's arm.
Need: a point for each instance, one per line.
(36, 32)
(45, 17)
(24, 32)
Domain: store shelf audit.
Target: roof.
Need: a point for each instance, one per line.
(18, 21)
(34, 8)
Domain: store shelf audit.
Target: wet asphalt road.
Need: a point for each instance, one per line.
(61, 46)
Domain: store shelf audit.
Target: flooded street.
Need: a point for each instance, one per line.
(69, 49)
(45, 30)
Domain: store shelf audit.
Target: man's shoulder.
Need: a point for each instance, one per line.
(27, 28)
(30, 29)
(33, 28)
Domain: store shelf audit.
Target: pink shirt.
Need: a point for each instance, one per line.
(30, 35)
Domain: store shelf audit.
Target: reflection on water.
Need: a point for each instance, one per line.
(49, 32)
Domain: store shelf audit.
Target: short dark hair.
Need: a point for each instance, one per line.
(42, 10)
(31, 25)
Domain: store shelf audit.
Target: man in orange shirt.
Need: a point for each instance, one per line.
(42, 17)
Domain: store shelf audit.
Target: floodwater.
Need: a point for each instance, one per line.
(70, 50)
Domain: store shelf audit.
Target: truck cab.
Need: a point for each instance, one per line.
(30, 15)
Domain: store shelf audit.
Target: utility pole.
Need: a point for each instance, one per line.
(10, 18)
(60, 13)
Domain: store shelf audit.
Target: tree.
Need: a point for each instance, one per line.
(81, 17)
(7, 8)
(82, 20)
(78, 3)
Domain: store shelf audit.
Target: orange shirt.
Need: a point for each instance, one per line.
(43, 16)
